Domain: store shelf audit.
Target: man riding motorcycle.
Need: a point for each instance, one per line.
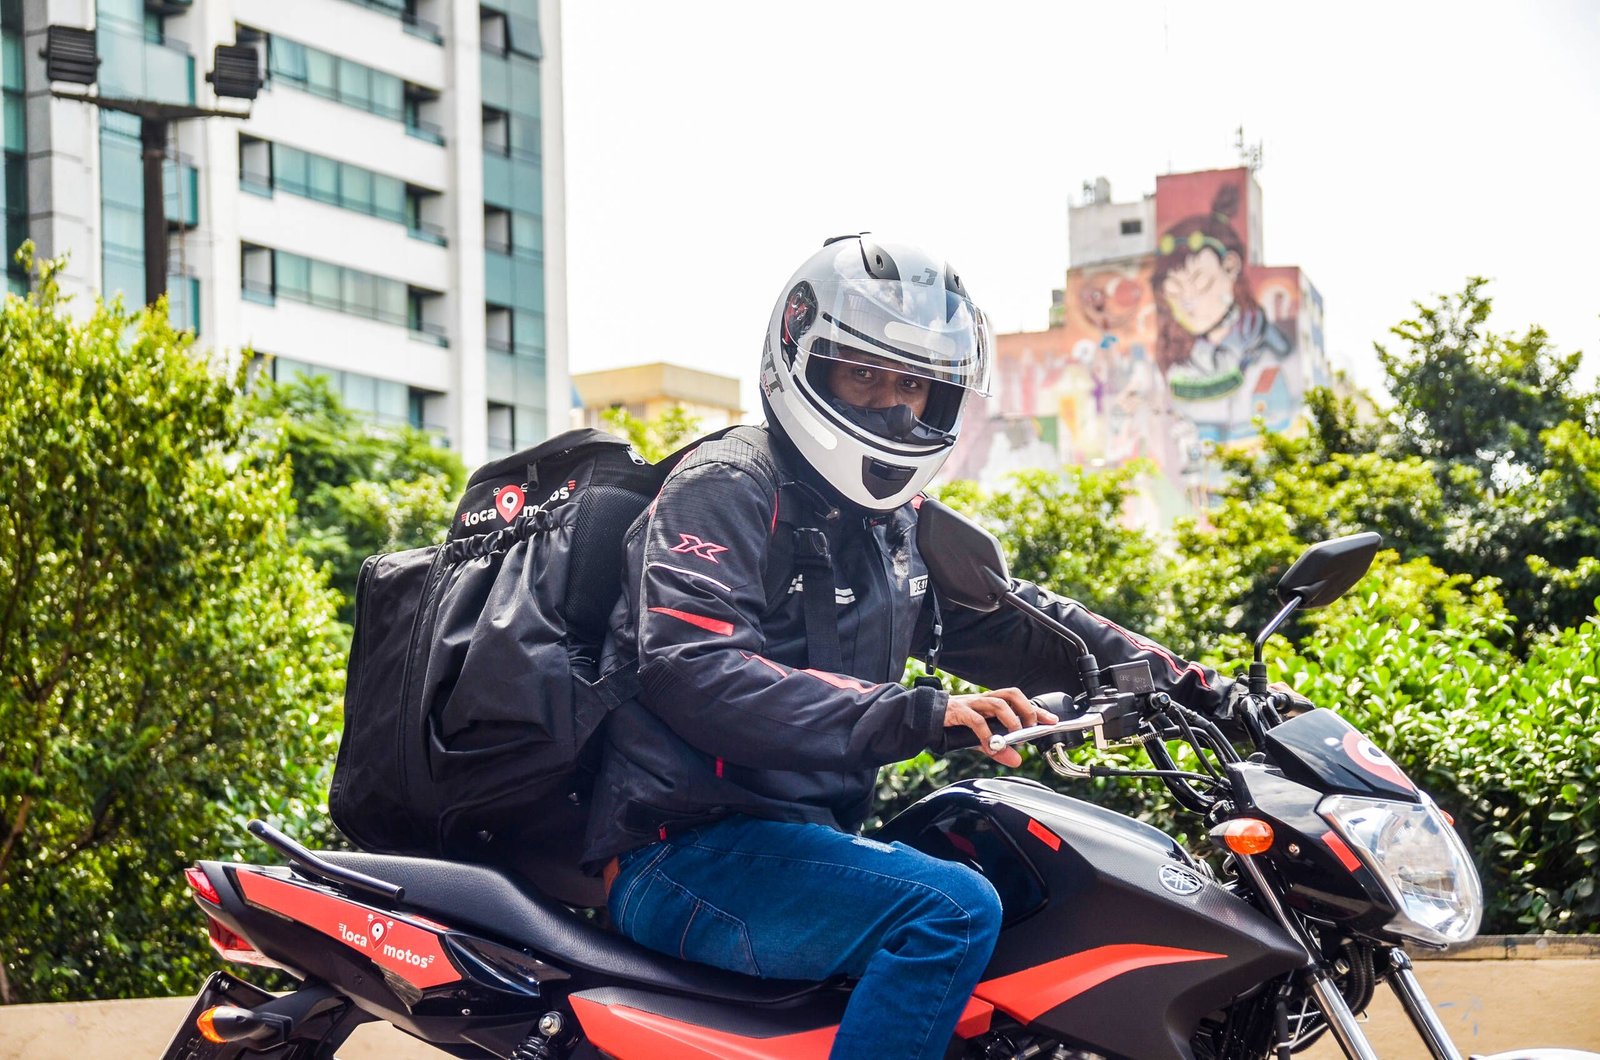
(729, 794)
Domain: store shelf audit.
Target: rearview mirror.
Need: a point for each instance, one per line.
(1328, 569)
(964, 560)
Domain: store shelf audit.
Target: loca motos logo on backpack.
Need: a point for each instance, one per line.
(509, 500)
(508, 503)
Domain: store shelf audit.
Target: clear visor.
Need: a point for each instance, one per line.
(921, 330)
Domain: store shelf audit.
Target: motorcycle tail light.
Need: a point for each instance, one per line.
(234, 947)
(201, 884)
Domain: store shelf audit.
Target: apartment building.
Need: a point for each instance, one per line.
(390, 214)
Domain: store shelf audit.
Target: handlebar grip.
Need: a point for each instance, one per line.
(959, 738)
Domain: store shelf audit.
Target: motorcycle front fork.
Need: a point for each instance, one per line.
(1403, 981)
(1341, 1021)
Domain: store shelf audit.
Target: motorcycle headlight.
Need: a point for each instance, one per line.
(1420, 860)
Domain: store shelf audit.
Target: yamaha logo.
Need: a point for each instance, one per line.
(1180, 880)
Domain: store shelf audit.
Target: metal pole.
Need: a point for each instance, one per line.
(153, 137)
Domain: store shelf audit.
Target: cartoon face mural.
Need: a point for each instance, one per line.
(1211, 328)
(1158, 357)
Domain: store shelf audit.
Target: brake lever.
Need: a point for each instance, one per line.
(999, 741)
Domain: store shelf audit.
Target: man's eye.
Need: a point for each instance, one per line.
(910, 384)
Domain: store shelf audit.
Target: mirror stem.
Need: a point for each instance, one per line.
(1088, 667)
(1258, 667)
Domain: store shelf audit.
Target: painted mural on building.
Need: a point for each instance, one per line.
(1161, 355)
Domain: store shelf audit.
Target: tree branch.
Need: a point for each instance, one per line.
(15, 834)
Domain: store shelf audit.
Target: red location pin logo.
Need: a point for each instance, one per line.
(509, 502)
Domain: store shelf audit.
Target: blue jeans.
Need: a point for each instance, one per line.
(796, 901)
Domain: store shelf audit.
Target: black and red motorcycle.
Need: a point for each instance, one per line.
(1116, 941)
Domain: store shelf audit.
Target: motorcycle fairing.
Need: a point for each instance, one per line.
(1098, 895)
(623, 1022)
(1320, 874)
(1323, 751)
(1028, 994)
(407, 949)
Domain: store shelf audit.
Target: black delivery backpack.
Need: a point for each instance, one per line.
(473, 693)
(473, 686)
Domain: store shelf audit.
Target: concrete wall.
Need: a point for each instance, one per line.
(1495, 995)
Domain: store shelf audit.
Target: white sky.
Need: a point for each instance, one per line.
(711, 146)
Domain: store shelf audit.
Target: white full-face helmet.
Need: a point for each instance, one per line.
(877, 306)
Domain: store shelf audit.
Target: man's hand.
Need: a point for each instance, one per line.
(1008, 705)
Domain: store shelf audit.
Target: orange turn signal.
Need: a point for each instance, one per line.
(206, 1022)
(1449, 818)
(1244, 835)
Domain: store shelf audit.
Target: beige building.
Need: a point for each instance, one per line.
(647, 391)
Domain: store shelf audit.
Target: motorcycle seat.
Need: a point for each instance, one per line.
(483, 899)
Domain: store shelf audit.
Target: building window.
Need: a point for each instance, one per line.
(268, 275)
(425, 214)
(497, 321)
(13, 120)
(264, 167)
(1132, 228)
(497, 230)
(422, 109)
(332, 77)
(412, 15)
(503, 33)
(493, 36)
(496, 131)
(423, 311)
(255, 165)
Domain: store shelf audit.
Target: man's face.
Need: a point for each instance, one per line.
(872, 382)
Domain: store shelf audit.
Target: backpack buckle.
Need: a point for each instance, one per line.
(810, 544)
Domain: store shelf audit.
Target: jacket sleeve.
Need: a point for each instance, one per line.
(699, 600)
(1005, 647)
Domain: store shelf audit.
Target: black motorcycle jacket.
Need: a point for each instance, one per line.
(732, 716)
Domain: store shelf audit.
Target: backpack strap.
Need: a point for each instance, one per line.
(806, 513)
(812, 559)
(803, 550)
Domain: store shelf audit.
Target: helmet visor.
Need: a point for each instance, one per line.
(922, 330)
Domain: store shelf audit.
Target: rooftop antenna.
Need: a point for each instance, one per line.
(1166, 67)
(1249, 154)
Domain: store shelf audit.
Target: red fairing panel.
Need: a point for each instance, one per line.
(630, 1033)
(633, 1034)
(413, 952)
(1029, 994)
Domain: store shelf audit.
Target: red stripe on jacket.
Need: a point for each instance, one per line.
(711, 625)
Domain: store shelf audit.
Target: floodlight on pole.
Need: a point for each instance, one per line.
(236, 71)
(71, 55)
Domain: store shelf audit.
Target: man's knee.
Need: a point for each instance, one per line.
(957, 893)
(981, 902)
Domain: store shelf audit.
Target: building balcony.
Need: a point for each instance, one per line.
(344, 342)
(344, 237)
(352, 31)
(286, 115)
(134, 67)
